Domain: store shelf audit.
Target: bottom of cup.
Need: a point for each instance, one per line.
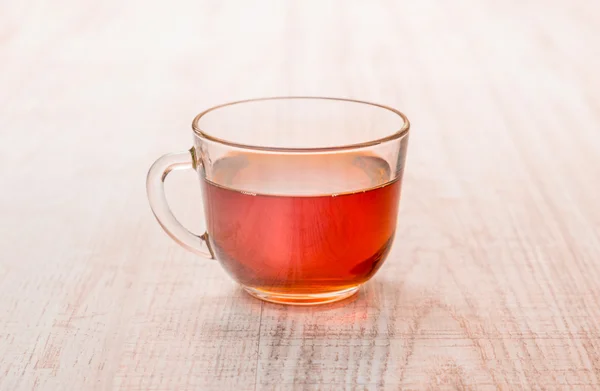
(303, 298)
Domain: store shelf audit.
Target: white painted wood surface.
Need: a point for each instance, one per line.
(494, 279)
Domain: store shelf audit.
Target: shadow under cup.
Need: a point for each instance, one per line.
(300, 194)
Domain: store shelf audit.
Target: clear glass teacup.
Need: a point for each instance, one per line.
(300, 194)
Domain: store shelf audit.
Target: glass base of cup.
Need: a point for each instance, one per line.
(302, 299)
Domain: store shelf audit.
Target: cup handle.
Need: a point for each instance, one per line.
(158, 202)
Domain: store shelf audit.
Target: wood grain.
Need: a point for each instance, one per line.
(494, 279)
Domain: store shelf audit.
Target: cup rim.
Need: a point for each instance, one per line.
(393, 136)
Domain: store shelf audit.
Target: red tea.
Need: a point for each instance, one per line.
(292, 225)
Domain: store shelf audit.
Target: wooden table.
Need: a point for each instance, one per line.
(494, 280)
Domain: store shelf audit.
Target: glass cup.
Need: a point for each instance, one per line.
(300, 194)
